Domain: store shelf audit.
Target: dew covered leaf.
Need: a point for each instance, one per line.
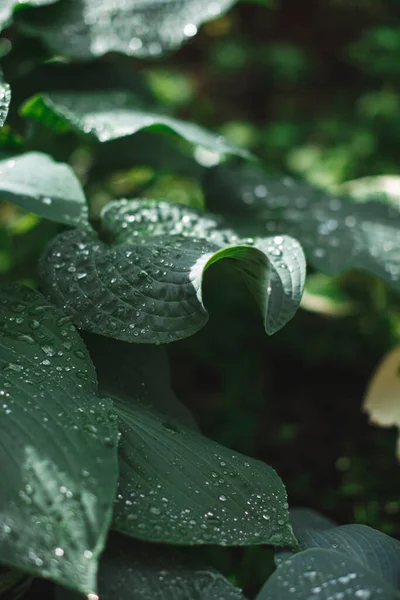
(40, 185)
(132, 570)
(112, 115)
(7, 7)
(146, 285)
(128, 370)
(325, 574)
(373, 549)
(58, 445)
(177, 486)
(82, 29)
(337, 233)
(5, 99)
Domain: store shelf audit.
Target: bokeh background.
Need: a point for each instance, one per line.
(312, 88)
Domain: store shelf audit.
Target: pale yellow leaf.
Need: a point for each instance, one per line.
(382, 399)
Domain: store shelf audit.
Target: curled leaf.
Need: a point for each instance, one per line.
(145, 285)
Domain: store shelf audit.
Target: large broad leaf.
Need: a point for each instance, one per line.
(146, 286)
(175, 485)
(353, 560)
(5, 99)
(337, 233)
(57, 445)
(325, 575)
(7, 7)
(135, 571)
(115, 114)
(179, 487)
(375, 550)
(37, 184)
(82, 29)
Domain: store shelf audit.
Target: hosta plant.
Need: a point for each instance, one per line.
(103, 469)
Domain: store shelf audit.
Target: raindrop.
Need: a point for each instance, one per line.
(362, 594)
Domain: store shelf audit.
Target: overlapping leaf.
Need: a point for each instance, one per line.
(146, 286)
(177, 486)
(325, 574)
(373, 549)
(5, 99)
(37, 184)
(7, 7)
(116, 114)
(58, 445)
(337, 233)
(353, 560)
(82, 29)
(134, 571)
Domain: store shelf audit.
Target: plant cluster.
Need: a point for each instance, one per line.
(94, 443)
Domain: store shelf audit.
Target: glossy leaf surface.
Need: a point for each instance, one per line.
(57, 444)
(146, 285)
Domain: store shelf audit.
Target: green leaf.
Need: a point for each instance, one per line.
(82, 29)
(5, 99)
(177, 486)
(7, 7)
(127, 369)
(376, 551)
(146, 286)
(116, 114)
(57, 445)
(325, 574)
(37, 184)
(337, 233)
(136, 571)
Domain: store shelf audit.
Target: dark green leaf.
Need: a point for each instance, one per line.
(179, 487)
(116, 114)
(7, 7)
(175, 485)
(337, 233)
(325, 575)
(376, 551)
(82, 29)
(37, 184)
(58, 445)
(147, 286)
(135, 571)
(129, 369)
